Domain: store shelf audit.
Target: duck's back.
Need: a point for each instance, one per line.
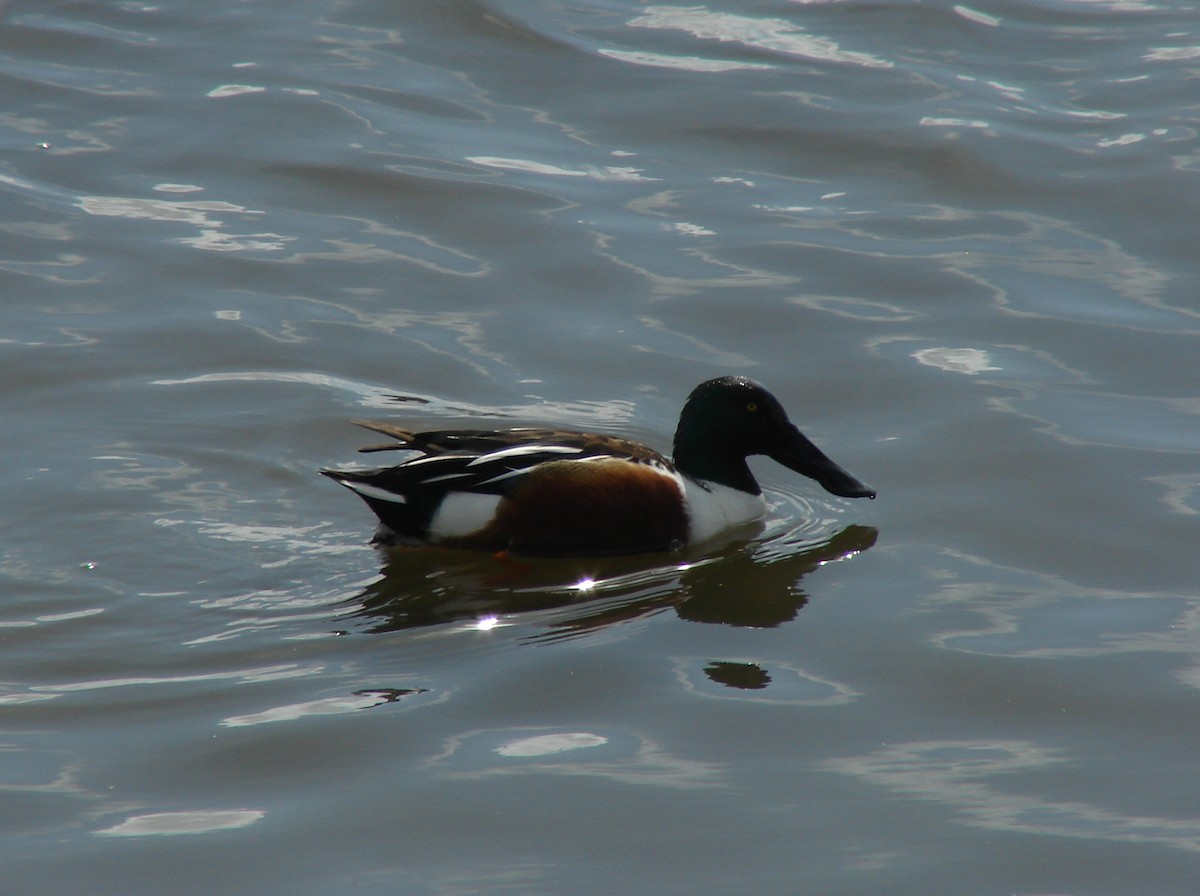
(542, 491)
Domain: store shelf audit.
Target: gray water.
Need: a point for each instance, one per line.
(957, 241)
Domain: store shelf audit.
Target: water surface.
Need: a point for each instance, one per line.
(957, 241)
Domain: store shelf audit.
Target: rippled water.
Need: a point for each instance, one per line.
(958, 241)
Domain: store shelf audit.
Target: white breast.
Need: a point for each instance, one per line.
(713, 508)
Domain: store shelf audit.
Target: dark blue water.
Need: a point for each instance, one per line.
(956, 241)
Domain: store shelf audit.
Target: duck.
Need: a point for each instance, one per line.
(540, 491)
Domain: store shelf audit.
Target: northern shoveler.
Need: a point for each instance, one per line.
(546, 491)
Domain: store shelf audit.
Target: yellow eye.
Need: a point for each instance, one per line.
(751, 407)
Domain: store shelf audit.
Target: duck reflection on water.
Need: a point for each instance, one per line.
(742, 584)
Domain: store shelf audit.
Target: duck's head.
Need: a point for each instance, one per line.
(726, 420)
